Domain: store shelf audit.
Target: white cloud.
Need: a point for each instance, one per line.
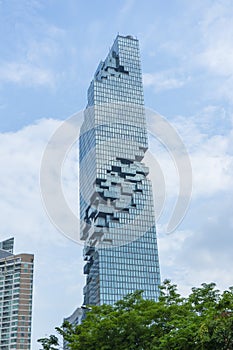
(163, 81)
(200, 250)
(208, 137)
(199, 50)
(203, 253)
(217, 30)
(36, 65)
(209, 145)
(26, 74)
(58, 261)
(21, 153)
(212, 167)
(35, 53)
(215, 50)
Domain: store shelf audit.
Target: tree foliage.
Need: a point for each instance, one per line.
(203, 320)
(50, 343)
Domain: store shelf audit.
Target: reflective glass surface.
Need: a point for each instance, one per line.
(116, 203)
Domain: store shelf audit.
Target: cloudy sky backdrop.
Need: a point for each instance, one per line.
(49, 52)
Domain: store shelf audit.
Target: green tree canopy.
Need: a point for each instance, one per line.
(203, 320)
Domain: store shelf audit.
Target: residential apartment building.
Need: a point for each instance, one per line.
(16, 284)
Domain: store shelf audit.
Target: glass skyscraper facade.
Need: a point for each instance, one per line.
(116, 200)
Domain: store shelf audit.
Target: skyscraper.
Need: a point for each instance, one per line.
(16, 281)
(116, 201)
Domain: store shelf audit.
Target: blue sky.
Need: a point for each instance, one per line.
(49, 52)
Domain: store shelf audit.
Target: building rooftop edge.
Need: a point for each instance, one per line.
(127, 37)
(78, 309)
(130, 37)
